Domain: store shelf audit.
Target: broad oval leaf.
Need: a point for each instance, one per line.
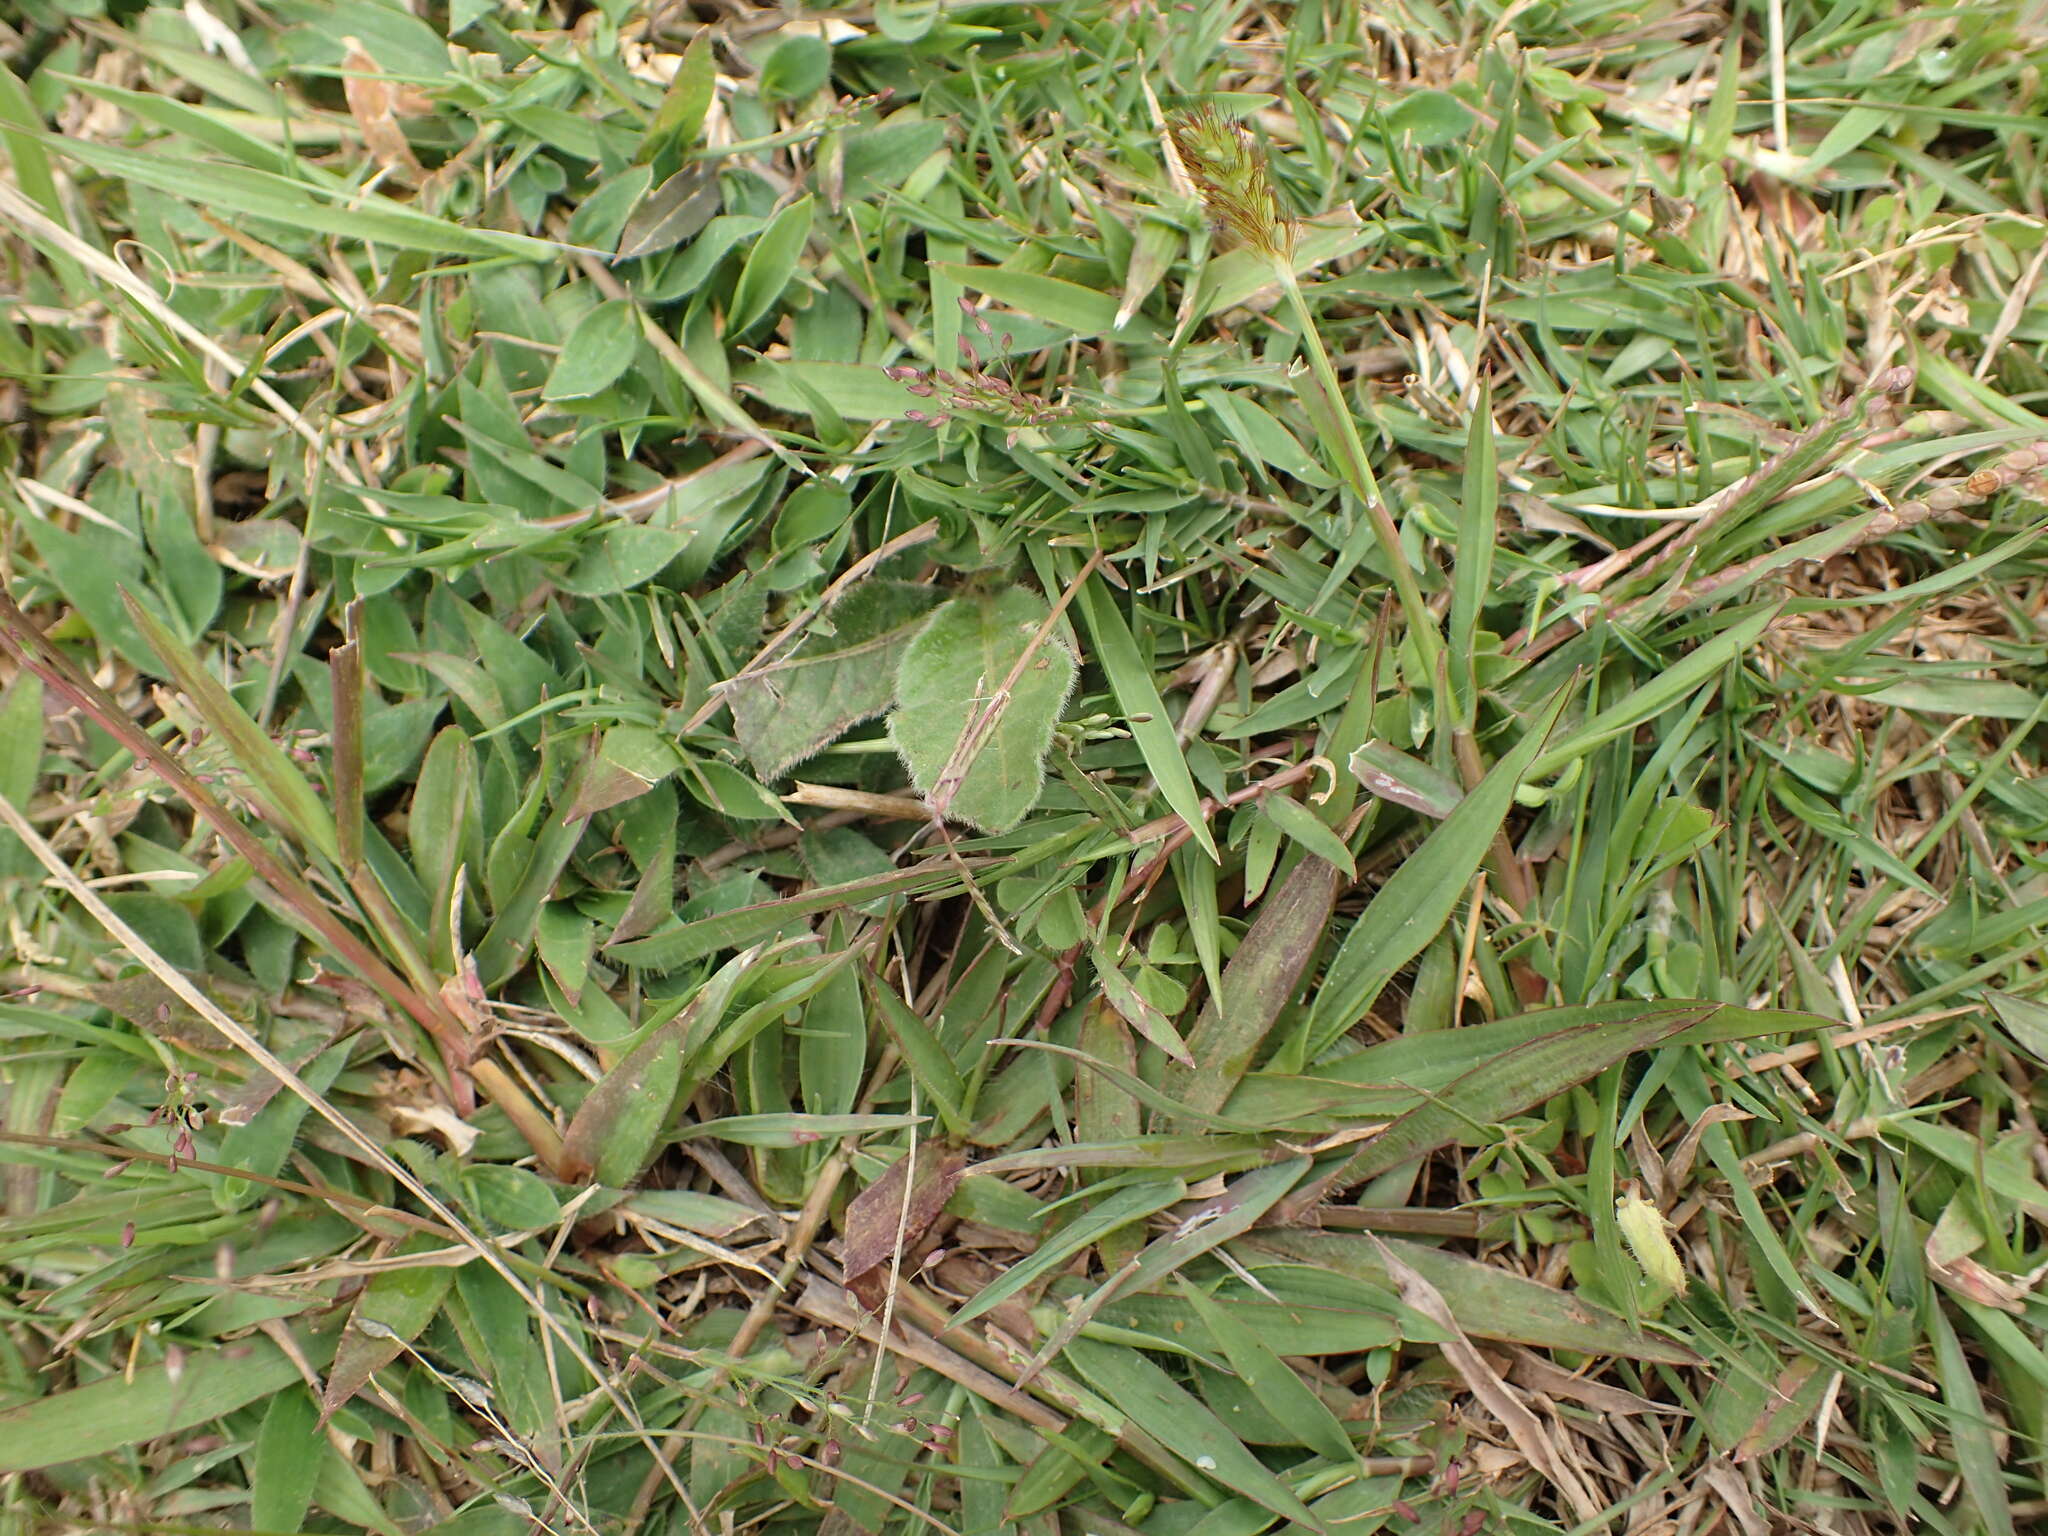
(598, 350)
(977, 697)
(828, 682)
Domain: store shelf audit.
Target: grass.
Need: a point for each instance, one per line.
(1466, 581)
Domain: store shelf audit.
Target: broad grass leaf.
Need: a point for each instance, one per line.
(21, 758)
(510, 1198)
(1963, 1152)
(1937, 695)
(1430, 119)
(799, 67)
(1133, 1202)
(1794, 1399)
(599, 349)
(497, 1328)
(1214, 1222)
(885, 156)
(122, 1410)
(743, 925)
(905, 21)
(832, 1050)
(20, 127)
(934, 1072)
(1178, 1420)
(523, 872)
(1053, 299)
(444, 825)
(1080, 1450)
(1262, 437)
(671, 214)
(1387, 772)
(831, 680)
(89, 565)
(283, 1474)
(769, 266)
(621, 1121)
(1136, 1009)
(1340, 1323)
(974, 742)
(213, 131)
(679, 120)
(1261, 980)
(1280, 1391)
(1513, 1082)
(1420, 896)
(729, 792)
(855, 391)
(339, 1489)
(564, 938)
(631, 761)
(1305, 828)
(2025, 1020)
(1979, 1455)
(398, 1303)
(259, 1147)
(300, 205)
(1472, 575)
(1488, 1302)
(600, 218)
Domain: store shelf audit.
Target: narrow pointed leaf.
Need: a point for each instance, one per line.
(285, 791)
(1130, 678)
(1420, 896)
(1178, 1420)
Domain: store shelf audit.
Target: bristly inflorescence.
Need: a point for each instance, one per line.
(978, 389)
(1229, 169)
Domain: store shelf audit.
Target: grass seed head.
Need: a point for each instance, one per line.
(1229, 169)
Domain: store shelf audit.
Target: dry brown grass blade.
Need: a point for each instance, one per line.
(1522, 1426)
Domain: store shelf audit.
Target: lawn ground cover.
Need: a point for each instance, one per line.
(1175, 768)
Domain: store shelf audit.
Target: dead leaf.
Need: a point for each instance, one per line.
(1531, 1370)
(1734, 1495)
(1522, 1426)
(1680, 1163)
(376, 103)
(881, 1222)
(434, 1120)
(1973, 1282)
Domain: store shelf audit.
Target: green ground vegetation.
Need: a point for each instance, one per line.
(1180, 767)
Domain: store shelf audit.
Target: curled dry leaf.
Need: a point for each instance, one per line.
(376, 103)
